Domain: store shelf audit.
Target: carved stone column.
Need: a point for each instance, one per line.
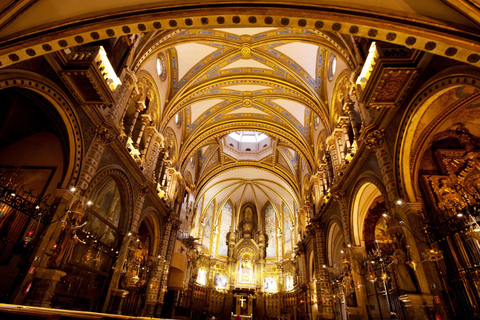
(419, 306)
(166, 253)
(325, 308)
(355, 255)
(145, 121)
(153, 286)
(339, 196)
(348, 107)
(139, 108)
(129, 81)
(94, 154)
(375, 141)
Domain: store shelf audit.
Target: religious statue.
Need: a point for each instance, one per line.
(248, 213)
(404, 278)
(246, 267)
(248, 223)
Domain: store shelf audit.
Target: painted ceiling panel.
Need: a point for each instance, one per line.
(302, 53)
(247, 110)
(294, 108)
(246, 63)
(198, 108)
(189, 54)
(247, 87)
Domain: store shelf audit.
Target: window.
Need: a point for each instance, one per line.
(178, 120)
(161, 66)
(332, 66)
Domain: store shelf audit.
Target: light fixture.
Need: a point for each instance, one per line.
(400, 202)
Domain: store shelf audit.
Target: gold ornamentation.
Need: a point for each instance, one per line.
(246, 51)
(374, 140)
(105, 135)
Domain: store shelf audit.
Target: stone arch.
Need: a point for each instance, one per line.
(431, 108)
(155, 226)
(335, 241)
(62, 104)
(118, 175)
(365, 192)
(94, 27)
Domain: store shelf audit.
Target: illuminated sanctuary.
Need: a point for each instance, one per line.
(254, 160)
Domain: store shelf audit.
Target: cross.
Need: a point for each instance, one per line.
(241, 301)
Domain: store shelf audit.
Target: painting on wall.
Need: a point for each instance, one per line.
(270, 284)
(220, 280)
(207, 231)
(270, 227)
(225, 223)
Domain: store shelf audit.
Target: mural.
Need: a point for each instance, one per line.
(270, 284)
(225, 223)
(202, 277)
(289, 282)
(287, 229)
(196, 225)
(220, 280)
(207, 230)
(270, 228)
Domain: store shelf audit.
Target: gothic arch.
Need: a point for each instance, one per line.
(49, 90)
(432, 106)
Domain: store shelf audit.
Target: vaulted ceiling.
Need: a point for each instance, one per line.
(247, 106)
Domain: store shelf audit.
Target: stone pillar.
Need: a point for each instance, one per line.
(168, 244)
(325, 308)
(420, 306)
(145, 121)
(348, 107)
(339, 196)
(375, 141)
(94, 154)
(139, 108)
(129, 81)
(153, 287)
(355, 255)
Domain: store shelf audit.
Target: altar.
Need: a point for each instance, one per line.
(244, 305)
